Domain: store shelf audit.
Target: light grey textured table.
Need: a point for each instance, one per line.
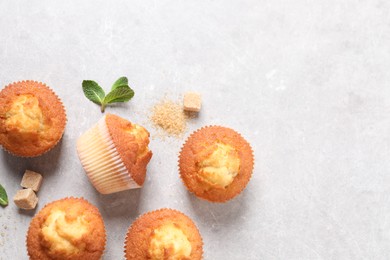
(305, 82)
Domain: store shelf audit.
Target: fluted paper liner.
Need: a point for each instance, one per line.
(102, 162)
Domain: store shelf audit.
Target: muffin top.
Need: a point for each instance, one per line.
(69, 228)
(163, 234)
(32, 118)
(216, 163)
(131, 141)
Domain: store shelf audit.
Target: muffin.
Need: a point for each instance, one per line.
(66, 229)
(216, 163)
(163, 234)
(114, 154)
(32, 118)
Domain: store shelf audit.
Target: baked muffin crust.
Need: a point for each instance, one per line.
(32, 118)
(69, 228)
(131, 141)
(163, 234)
(216, 163)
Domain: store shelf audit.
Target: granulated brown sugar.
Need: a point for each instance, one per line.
(170, 117)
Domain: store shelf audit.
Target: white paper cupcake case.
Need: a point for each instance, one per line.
(102, 162)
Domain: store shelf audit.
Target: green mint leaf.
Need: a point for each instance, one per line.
(93, 91)
(120, 94)
(3, 196)
(121, 82)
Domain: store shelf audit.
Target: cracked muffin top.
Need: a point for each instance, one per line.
(216, 163)
(163, 234)
(32, 118)
(68, 229)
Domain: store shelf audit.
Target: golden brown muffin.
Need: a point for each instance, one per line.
(216, 163)
(163, 234)
(66, 229)
(32, 118)
(114, 154)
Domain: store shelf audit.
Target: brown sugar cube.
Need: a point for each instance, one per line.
(31, 180)
(192, 102)
(26, 199)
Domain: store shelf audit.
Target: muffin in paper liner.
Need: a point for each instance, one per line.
(68, 229)
(32, 118)
(163, 234)
(216, 163)
(114, 154)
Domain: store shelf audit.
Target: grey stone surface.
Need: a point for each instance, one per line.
(305, 82)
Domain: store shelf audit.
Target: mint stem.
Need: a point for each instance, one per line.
(102, 107)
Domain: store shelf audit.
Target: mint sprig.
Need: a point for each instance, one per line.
(120, 92)
(3, 196)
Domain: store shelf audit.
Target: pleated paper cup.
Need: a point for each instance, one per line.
(102, 161)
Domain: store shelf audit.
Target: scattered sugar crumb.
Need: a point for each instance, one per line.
(170, 117)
